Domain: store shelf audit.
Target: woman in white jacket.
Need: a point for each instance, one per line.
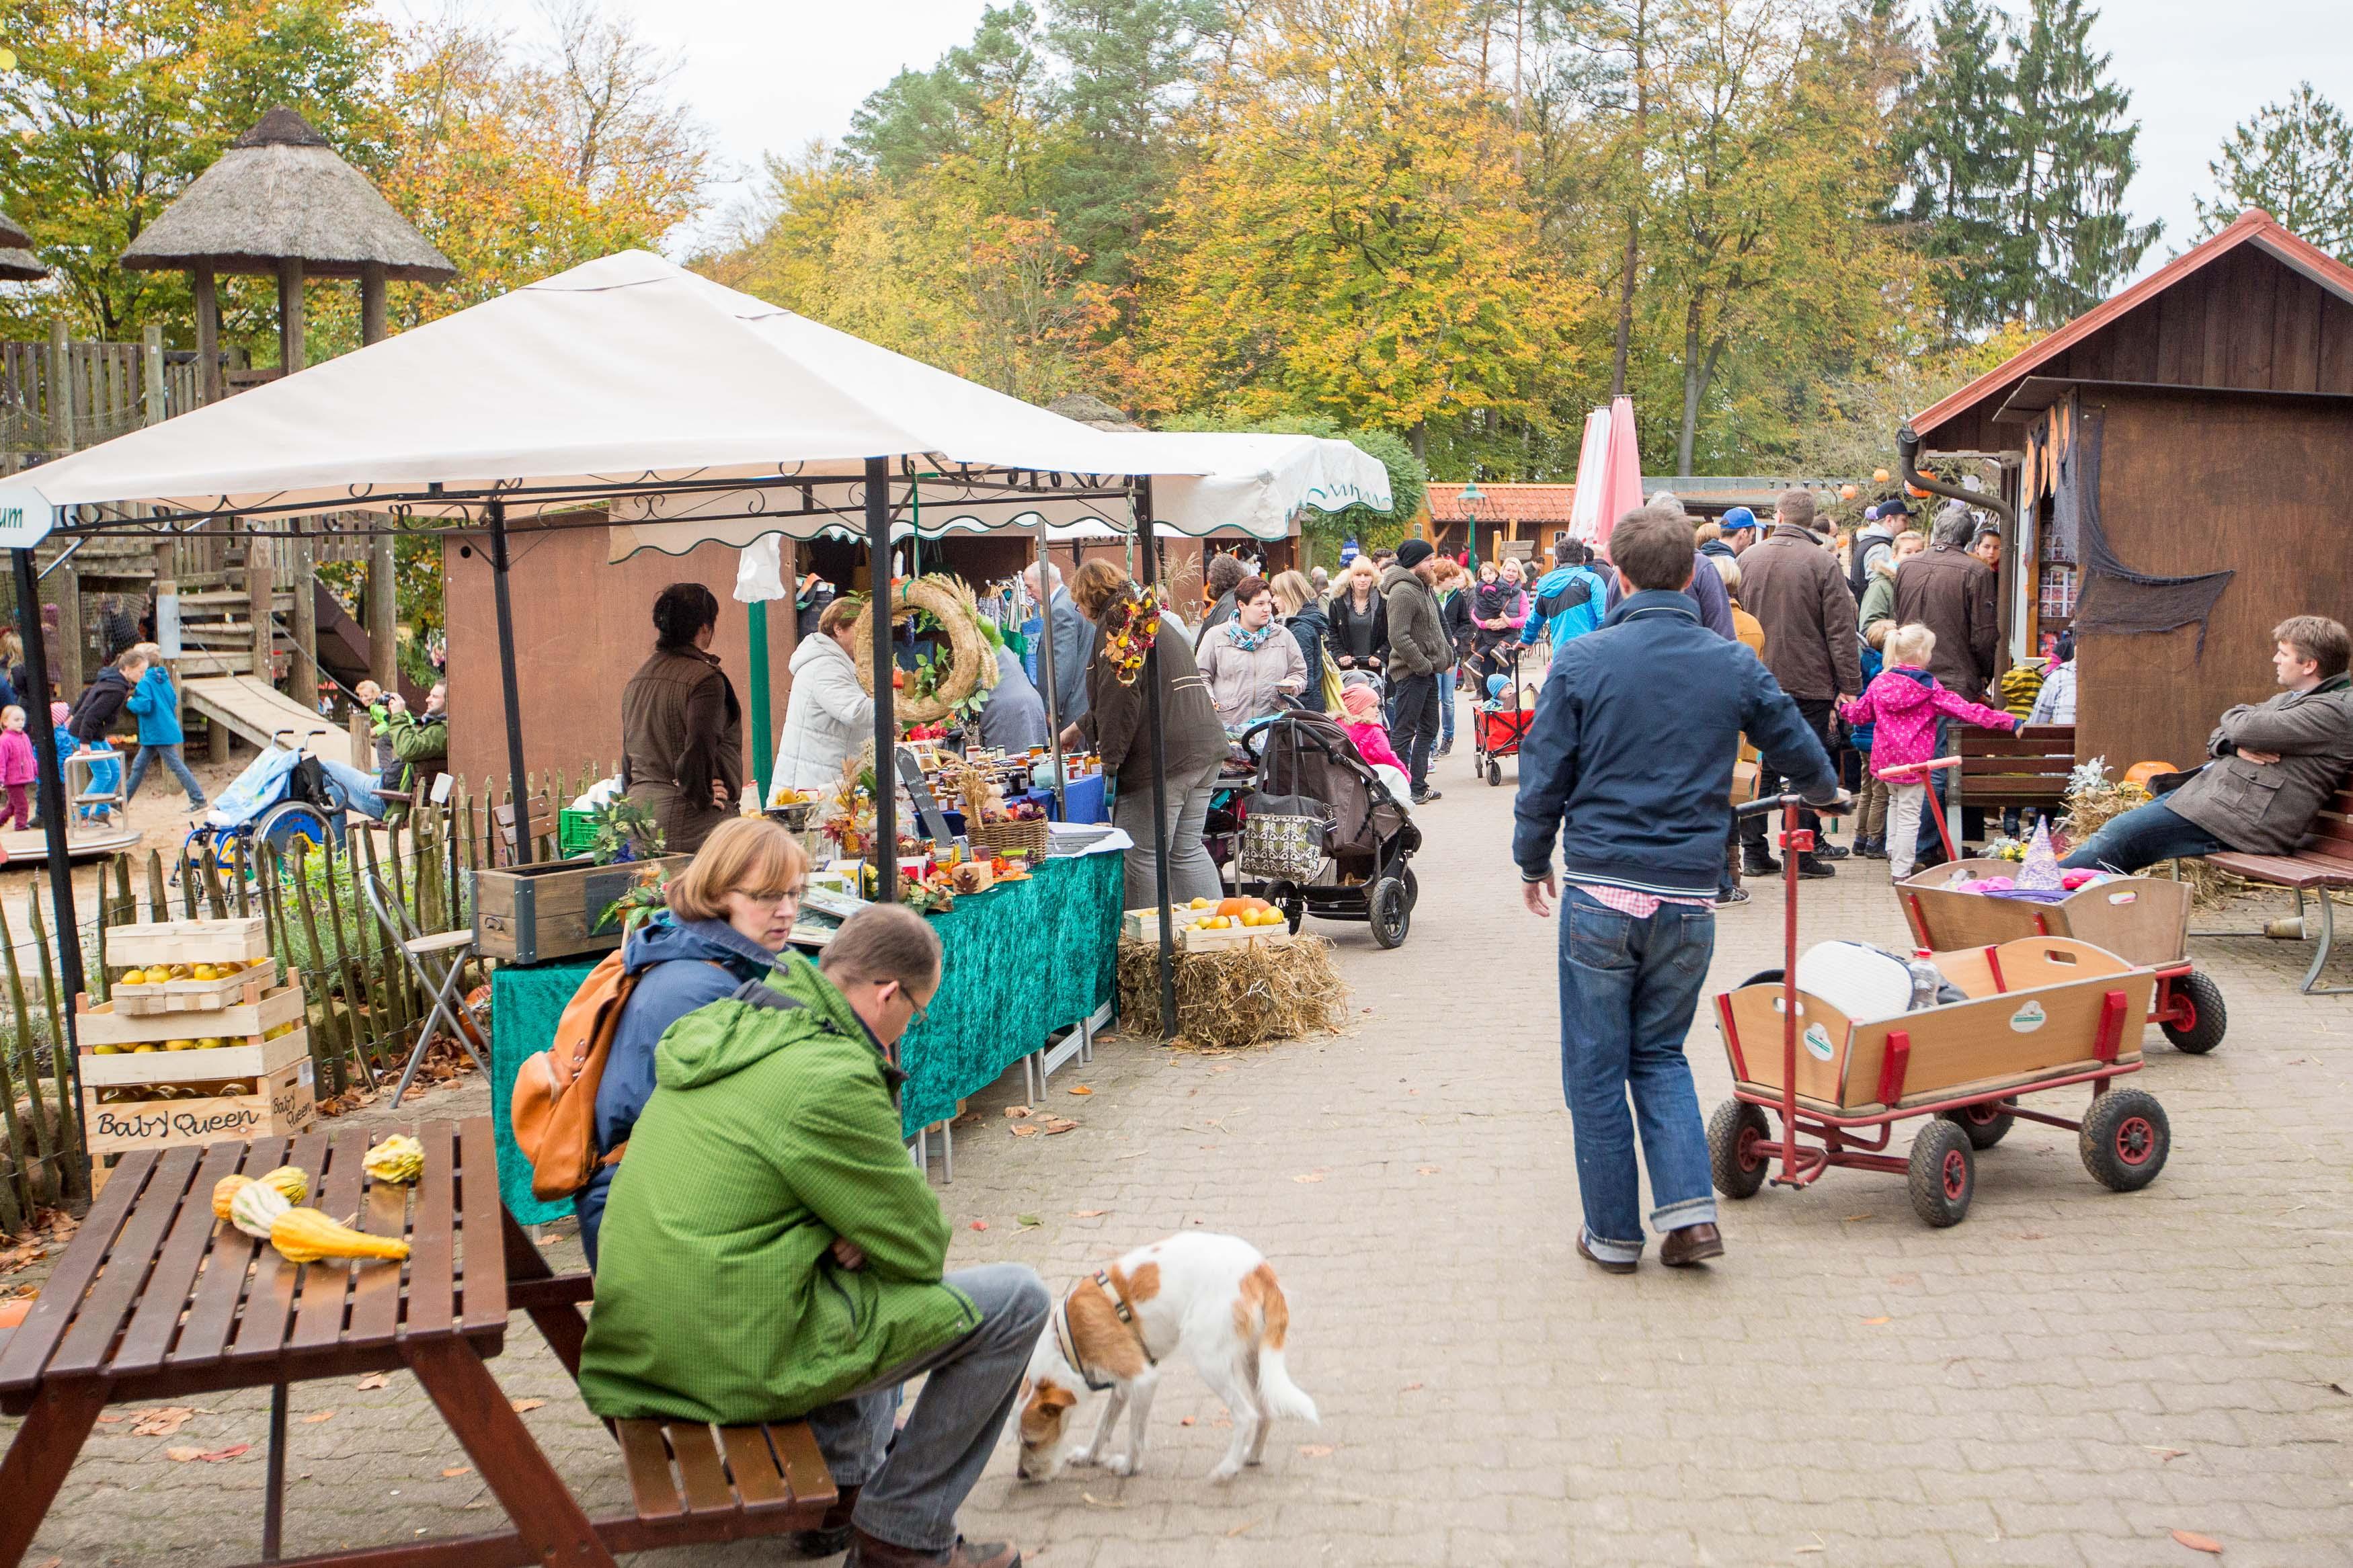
(829, 714)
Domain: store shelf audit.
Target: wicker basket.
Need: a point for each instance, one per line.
(1009, 837)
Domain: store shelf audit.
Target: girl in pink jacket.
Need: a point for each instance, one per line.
(17, 767)
(1904, 702)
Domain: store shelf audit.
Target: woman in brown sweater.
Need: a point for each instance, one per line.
(681, 727)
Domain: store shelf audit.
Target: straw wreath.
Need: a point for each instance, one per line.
(974, 664)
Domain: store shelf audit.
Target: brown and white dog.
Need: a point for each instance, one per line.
(1210, 1298)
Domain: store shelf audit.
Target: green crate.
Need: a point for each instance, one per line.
(573, 833)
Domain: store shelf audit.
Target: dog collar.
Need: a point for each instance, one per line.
(1068, 1344)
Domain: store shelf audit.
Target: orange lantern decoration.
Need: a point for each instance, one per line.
(1915, 492)
(1847, 492)
(1879, 476)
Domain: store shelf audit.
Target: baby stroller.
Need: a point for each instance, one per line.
(1321, 834)
(287, 801)
(1498, 734)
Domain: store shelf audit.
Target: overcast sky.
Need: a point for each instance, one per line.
(770, 75)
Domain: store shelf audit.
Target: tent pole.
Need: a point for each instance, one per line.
(54, 812)
(1046, 570)
(518, 781)
(1159, 776)
(885, 854)
(764, 758)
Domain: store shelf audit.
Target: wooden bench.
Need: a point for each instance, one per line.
(2323, 862)
(2028, 769)
(542, 829)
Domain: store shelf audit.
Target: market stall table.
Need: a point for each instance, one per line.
(1020, 962)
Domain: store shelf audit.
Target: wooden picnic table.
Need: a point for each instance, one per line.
(156, 1300)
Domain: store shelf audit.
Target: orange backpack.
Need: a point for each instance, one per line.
(554, 1105)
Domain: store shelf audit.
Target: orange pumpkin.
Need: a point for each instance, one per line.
(1243, 906)
(2141, 772)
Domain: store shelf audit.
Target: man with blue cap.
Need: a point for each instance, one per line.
(1739, 527)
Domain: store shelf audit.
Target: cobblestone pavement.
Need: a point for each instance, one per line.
(2067, 1378)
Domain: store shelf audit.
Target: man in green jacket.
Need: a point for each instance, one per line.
(769, 1252)
(420, 744)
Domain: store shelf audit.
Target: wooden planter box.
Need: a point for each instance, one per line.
(240, 937)
(2141, 920)
(192, 996)
(2039, 1020)
(529, 915)
(283, 1103)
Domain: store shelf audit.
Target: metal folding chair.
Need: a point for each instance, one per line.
(453, 949)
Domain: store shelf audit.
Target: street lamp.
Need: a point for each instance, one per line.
(1471, 497)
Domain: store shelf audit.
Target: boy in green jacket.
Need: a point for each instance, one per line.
(769, 1253)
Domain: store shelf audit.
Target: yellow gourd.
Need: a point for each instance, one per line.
(226, 1189)
(256, 1206)
(291, 1180)
(399, 1158)
(306, 1236)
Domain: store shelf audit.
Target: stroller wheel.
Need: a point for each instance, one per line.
(1390, 910)
(1495, 773)
(1286, 897)
(1412, 886)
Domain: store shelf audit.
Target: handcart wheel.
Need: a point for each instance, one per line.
(2125, 1139)
(1986, 1125)
(1390, 910)
(2202, 1030)
(1737, 1158)
(1942, 1175)
(1495, 775)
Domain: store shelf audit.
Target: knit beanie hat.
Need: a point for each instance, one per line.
(1360, 702)
(1413, 553)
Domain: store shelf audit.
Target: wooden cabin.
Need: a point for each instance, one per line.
(1501, 520)
(2182, 460)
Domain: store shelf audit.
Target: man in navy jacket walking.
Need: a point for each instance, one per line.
(1629, 763)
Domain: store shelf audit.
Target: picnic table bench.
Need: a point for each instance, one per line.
(2325, 861)
(155, 1299)
(2027, 769)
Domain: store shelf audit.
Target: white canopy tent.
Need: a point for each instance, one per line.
(687, 410)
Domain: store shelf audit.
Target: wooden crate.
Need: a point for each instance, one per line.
(2141, 920)
(1193, 939)
(284, 1104)
(259, 1012)
(1144, 925)
(192, 996)
(240, 938)
(528, 914)
(254, 1058)
(2033, 1012)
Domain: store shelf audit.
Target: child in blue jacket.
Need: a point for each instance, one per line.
(157, 706)
(1871, 799)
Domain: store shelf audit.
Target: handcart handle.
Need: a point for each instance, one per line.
(1767, 806)
(1933, 764)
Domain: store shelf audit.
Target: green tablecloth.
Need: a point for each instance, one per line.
(1022, 961)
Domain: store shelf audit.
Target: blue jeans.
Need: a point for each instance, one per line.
(175, 763)
(912, 1487)
(2142, 836)
(1446, 709)
(1628, 991)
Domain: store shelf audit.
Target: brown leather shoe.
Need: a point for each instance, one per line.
(867, 1551)
(1690, 1244)
(832, 1534)
(1608, 1265)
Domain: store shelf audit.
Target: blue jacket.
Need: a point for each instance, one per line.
(155, 703)
(1572, 621)
(1872, 661)
(1632, 748)
(680, 965)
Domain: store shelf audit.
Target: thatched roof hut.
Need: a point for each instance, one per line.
(17, 263)
(280, 193)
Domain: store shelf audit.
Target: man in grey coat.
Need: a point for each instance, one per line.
(2272, 765)
(1419, 654)
(1074, 645)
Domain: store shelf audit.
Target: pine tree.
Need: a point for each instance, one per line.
(2069, 242)
(1958, 163)
(2294, 160)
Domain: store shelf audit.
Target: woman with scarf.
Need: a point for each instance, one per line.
(1252, 662)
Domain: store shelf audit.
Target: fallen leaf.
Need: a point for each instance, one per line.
(160, 1423)
(1818, 1545)
(980, 1225)
(1873, 1322)
(322, 1415)
(1224, 1422)
(182, 1455)
(1018, 1111)
(1194, 1220)
(1186, 1421)
(1309, 1177)
(524, 1406)
(1089, 1214)
(50, 1562)
(1412, 1388)
(109, 1420)
(2032, 1236)
(2196, 1543)
(1425, 1170)
(1023, 1131)
(454, 1471)
(1315, 1451)
(214, 1458)
(1222, 1067)
(1903, 1279)
(1081, 1089)
(2166, 1453)
(373, 1379)
(1027, 1219)
(1246, 1524)
(1853, 1218)
(1099, 1502)
(1058, 1124)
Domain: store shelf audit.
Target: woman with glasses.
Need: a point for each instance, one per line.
(731, 915)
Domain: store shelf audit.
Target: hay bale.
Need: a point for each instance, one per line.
(2094, 799)
(1229, 998)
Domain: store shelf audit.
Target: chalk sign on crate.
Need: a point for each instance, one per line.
(282, 1102)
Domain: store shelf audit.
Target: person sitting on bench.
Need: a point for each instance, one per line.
(769, 1253)
(2274, 765)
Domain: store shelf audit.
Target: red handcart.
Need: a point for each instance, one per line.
(1497, 734)
(2042, 1012)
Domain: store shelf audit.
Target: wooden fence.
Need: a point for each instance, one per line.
(366, 1007)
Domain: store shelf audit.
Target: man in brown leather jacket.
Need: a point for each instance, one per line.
(2274, 765)
(1954, 594)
